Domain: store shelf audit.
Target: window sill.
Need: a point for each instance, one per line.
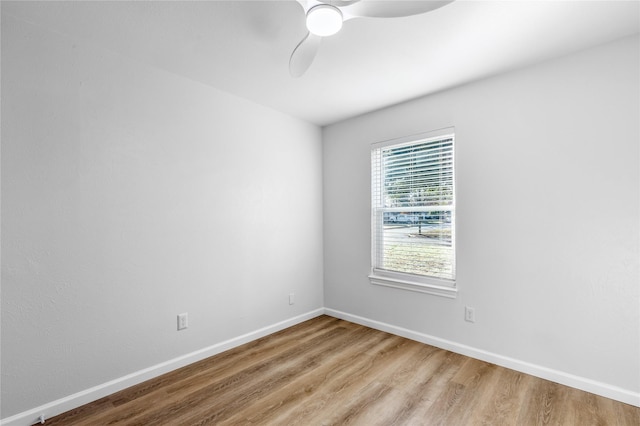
(434, 289)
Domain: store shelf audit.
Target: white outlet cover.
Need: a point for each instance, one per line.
(183, 321)
(469, 314)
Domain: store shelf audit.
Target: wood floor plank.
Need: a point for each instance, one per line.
(213, 402)
(416, 384)
(268, 385)
(327, 371)
(313, 384)
(590, 410)
(508, 398)
(480, 378)
(333, 400)
(546, 403)
(432, 379)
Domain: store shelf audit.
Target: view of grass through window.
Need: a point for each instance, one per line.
(421, 245)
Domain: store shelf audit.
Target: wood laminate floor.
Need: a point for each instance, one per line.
(326, 371)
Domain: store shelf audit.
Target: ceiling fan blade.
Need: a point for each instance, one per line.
(303, 55)
(304, 5)
(392, 9)
(308, 4)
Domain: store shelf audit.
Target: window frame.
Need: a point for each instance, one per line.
(401, 280)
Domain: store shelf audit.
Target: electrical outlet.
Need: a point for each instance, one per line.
(183, 321)
(469, 314)
(291, 298)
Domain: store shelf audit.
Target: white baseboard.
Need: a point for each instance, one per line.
(70, 402)
(582, 383)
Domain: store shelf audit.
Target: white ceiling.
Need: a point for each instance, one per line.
(243, 47)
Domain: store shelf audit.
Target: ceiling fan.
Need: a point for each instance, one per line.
(325, 18)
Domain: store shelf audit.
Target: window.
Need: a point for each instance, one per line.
(413, 213)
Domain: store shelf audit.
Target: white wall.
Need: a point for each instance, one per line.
(130, 195)
(547, 220)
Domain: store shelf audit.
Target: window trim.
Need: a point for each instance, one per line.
(416, 283)
(428, 285)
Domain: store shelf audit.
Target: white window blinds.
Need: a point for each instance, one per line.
(413, 209)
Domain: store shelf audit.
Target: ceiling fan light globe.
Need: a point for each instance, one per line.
(324, 20)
